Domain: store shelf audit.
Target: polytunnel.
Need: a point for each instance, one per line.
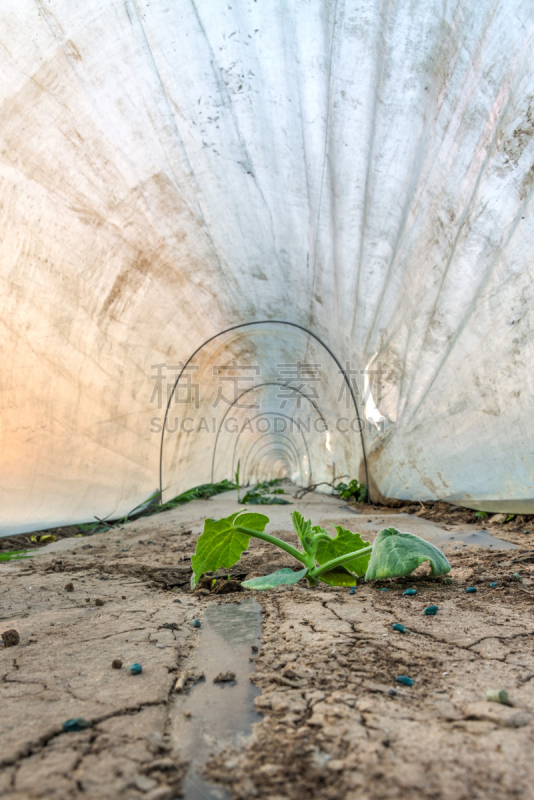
(172, 170)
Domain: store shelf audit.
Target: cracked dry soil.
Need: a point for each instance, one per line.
(331, 727)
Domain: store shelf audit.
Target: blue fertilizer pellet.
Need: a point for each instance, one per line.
(352, 591)
(398, 627)
(471, 589)
(135, 669)
(430, 611)
(76, 724)
(410, 592)
(383, 589)
(493, 585)
(196, 623)
(404, 680)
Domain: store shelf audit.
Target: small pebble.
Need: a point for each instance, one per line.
(404, 680)
(160, 645)
(493, 585)
(116, 663)
(398, 627)
(196, 623)
(75, 724)
(135, 669)
(69, 587)
(99, 602)
(517, 576)
(392, 692)
(430, 611)
(471, 589)
(10, 638)
(410, 592)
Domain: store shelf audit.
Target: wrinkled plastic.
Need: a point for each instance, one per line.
(170, 169)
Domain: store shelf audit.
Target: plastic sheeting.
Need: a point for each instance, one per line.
(170, 168)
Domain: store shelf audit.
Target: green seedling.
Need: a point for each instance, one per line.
(481, 514)
(352, 491)
(12, 554)
(237, 481)
(336, 560)
(258, 495)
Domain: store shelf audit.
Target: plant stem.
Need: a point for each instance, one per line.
(339, 560)
(278, 543)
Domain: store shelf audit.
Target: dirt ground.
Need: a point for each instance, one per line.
(335, 722)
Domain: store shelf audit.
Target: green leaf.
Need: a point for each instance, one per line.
(344, 542)
(204, 491)
(12, 554)
(339, 576)
(221, 545)
(303, 528)
(282, 576)
(396, 554)
(237, 481)
(353, 491)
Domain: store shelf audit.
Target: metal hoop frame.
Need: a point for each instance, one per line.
(246, 391)
(294, 451)
(248, 325)
(275, 414)
(265, 446)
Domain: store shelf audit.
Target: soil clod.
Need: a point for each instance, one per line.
(224, 677)
(225, 586)
(10, 638)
